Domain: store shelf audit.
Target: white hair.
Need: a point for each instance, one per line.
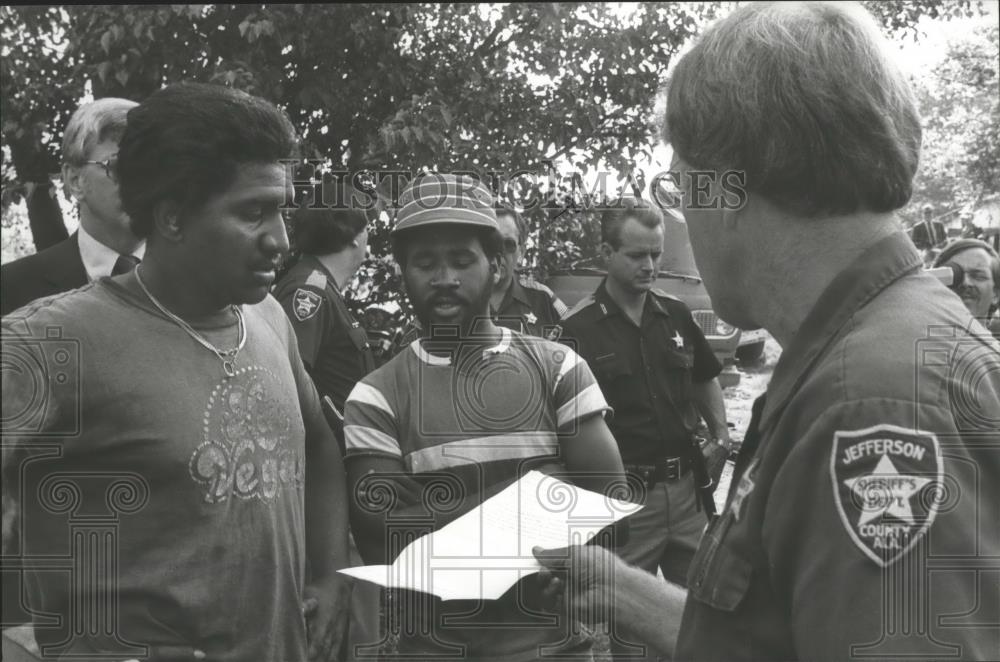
(91, 123)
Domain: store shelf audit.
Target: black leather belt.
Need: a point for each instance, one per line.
(667, 469)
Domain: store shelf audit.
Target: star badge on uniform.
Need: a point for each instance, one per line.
(678, 340)
(531, 317)
(305, 304)
(887, 486)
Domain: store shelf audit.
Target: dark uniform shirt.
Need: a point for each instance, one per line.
(333, 345)
(862, 520)
(645, 372)
(531, 308)
(528, 307)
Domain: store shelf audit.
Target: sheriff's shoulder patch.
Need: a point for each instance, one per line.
(886, 484)
(305, 304)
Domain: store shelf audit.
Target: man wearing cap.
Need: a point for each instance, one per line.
(861, 519)
(104, 245)
(475, 406)
(517, 303)
(980, 284)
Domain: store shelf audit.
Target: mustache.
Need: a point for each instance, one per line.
(447, 299)
(968, 292)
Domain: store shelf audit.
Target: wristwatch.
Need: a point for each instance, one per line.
(727, 444)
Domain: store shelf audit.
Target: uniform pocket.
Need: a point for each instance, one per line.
(679, 359)
(611, 366)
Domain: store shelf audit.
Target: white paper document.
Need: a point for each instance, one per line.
(487, 550)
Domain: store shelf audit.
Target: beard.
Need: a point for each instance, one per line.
(465, 322)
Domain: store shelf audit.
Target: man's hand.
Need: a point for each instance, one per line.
(595, 585)
(580, 579)
(716, 453)
(326, 606)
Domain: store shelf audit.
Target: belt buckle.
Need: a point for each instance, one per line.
(673, 468)
(644, 474)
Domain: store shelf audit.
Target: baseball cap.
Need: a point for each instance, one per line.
(444, 198)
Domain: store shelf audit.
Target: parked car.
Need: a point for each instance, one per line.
(679, 277)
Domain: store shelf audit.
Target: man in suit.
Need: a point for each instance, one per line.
(104, 245)
(928, 235)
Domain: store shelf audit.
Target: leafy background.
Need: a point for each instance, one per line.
(545, 89)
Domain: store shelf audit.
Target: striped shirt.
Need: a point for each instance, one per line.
(507, 405)
(484, 418)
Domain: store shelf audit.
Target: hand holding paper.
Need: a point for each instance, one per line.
(487, 550)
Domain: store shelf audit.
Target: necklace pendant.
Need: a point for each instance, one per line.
(229, 368)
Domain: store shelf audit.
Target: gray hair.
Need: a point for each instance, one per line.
(805, 99)
(92, 123)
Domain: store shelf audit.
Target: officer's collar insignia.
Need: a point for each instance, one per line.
(531, 317)
(887, 483)
(743, 489)
(553, 333)
(306, 304)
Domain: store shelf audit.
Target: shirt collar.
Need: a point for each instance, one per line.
(514, 293)
(432, 359)
(609, 307)
(878, 267)
(98, 259)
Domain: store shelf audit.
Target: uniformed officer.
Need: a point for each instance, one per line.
(862, 517)
(519, 303)
(333, 240)
(658, 373)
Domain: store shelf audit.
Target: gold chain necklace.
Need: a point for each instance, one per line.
(228, 356)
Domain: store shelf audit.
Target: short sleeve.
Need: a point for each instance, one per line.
(370, 421)
(309, 312)
(558, 306)
(706, 365)
(879, 505)
(576, 393)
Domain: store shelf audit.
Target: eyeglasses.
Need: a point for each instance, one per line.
(110, 166)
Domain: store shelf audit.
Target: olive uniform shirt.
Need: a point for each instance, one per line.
(862, 519)
(646, 372)
(333, 345)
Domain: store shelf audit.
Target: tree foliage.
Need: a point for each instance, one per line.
(960, 105)
(488, 88)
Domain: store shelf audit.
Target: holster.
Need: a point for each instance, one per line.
(702, 481)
